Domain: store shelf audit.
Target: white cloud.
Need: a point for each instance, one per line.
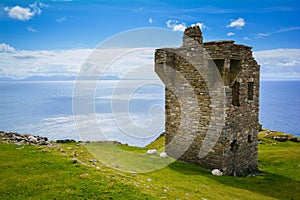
(134, 64)
(31, 29)
(176, 26)
(230, 34)
(179, 27)
(20, 13)
(62, 19)
(20, 64)
(201, 25)
(279, 63)
(246, 38)
(238, 23)
(25, 14)
(275, 64)
(294, 28)
(6, 48)
(38, 4)
(261, 35)
(150, 20)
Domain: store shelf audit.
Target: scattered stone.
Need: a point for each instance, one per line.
(69, 148)
(149, 179)
(27, 139)
(151, 151)
(32, 139)
(63, 151)
(163, 155)
(44, 142)
(74, 160)
(217, 172)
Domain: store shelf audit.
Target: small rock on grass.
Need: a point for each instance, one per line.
(74, 160)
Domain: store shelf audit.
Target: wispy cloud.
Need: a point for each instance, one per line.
(215, 10)
(276, 9)
(25, 56)
(150, 20)
(279, 63)
(230, 34)
(238, 23)
(261, 35)
(25, 13)
(294, 28)
(19, 64)
(22, 64)
(220, 10)
(275, 64)
(206, 9)
(31, 29)
(282, 30)
(246, 38)
(62, 19)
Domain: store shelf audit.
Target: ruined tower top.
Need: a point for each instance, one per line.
(192, 36)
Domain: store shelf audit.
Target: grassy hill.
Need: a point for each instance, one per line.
(69, 171)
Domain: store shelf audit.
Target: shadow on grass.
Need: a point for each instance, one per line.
(268, 184)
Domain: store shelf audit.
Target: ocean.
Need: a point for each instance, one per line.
(280, 106)
(45, 108)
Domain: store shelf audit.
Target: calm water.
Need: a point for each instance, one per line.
(45, 108)
(280, 106)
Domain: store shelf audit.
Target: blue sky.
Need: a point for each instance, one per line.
(64, 30)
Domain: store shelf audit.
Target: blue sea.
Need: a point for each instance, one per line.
(45, 108)
(280, 106)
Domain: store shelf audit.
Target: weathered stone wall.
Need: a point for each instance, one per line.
(212, 100)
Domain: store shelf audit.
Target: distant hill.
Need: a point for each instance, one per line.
(6, 79)
(59, 78)
(97, 78)
(50, 78)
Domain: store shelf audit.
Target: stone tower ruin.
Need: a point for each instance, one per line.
(211, 103)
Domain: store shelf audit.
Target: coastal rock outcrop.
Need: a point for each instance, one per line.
(20, 139)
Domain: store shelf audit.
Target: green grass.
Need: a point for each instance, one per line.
(32, 172)
(126, 158)
(49, 173)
